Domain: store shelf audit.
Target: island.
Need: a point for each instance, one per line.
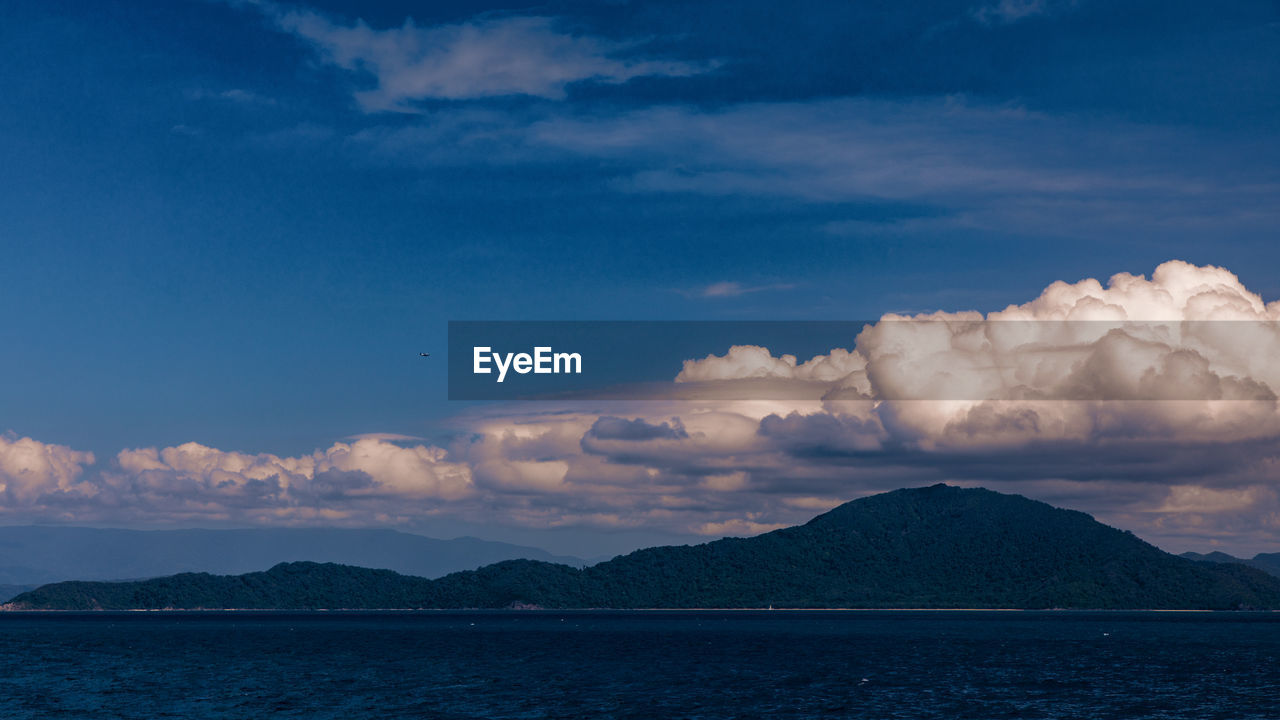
(931, 547)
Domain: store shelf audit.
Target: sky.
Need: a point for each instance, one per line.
(229, 227)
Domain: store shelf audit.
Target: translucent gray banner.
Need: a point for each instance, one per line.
(949, 359)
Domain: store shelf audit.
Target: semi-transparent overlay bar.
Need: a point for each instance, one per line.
(886, 359)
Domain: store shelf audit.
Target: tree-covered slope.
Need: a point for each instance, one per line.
(927, 547)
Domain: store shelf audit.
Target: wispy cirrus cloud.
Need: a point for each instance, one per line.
(984, 166)
(729, 288)
(1007, 12)
(238, 96)
(956, 162)
(961, 164)
(481, 58)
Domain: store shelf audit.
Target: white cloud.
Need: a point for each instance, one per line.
(1007, 12)
(753, 361)
(374, 468)
(723, 289)
(738, 526)
(366, 481)
(485, 57)
(30, 470)
(1195, 499)
(734, 289)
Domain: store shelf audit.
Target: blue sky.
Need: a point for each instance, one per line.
(236, 223)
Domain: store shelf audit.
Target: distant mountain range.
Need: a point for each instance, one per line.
(32, 556)
(935, 547)
(1266, 562)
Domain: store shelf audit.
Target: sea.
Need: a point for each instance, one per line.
(700, 665)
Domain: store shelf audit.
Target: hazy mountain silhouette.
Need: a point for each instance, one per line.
(37, 555)
(1266, 562)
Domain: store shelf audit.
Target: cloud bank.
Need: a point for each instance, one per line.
(1150, 402)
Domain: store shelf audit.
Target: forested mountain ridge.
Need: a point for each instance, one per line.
(934, 547)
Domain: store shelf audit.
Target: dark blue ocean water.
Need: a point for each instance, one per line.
(641, 665)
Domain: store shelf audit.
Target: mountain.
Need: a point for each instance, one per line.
(39, 555)
(935, 547)
(1266, 562)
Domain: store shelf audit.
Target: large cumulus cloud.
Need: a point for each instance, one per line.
(30, 470)
(1187, 353)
